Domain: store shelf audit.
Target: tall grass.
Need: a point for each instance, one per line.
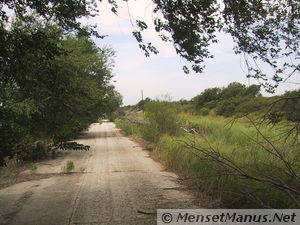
(240, 144)
(159, 118)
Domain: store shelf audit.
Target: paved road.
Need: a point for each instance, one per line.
(119, 184)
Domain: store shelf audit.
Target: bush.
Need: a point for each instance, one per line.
(252, 105)
(240, 145)
(68, 167)
(204, 111)
(112, 116)
(39, 150)
(150, 133)
(289, 106)
(128, 128)
(32, 166)
(163, 118)
(54, 104)
(12, 165)
(226, 108)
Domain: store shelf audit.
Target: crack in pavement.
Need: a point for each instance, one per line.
(119, 184)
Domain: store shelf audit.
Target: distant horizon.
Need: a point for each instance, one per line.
(160, 97)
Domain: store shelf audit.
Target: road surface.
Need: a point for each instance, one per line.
(120, 185)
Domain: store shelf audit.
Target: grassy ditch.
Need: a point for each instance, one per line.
(245, 164)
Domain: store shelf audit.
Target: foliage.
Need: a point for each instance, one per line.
(32, 166)
(39, 150)
(141, 104)
(227, 106)
(248, 163)
(204, 111)
(208, 95)
(265, 32)
(162, 117)
(235, 89)
(208, 157)
(238, 100)
(68, 167)
(63, 12)
(232, 100)
(135, 127)
(289, 106)
(159, 118)
(12, 165)
(51, 95)
(252, 105)
(112, 99)
(127, 128)
(82, 169)
(69, 146)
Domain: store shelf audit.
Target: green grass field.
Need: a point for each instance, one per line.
(244, 164)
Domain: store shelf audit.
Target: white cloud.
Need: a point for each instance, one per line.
(163, 73)
(124, 22)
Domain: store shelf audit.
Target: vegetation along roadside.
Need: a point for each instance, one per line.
(233, 143)
(51, 89)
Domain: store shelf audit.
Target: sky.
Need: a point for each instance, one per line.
(162, 74)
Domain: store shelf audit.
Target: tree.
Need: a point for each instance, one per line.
(64, 12)
(234, 89)
(142, 103)
(113, 100)
(162, 117)
(52, 96)
(263, 31)
(208, 95)
(252, 91)
(14, 42)
(230, 100)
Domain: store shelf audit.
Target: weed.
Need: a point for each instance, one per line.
(239, 145)
(217, 139)
(163, 118)
(82, 169)
(12, 165)
(32, 166)
(68, 167)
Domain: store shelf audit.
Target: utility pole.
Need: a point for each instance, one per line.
(142, 100)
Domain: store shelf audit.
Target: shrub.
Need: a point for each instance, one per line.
(112, 116)
(290, 106)
(239, 146)
(250, 105)
(68, 167)
(82, 169)
(32, 166)
(204, 111)
(128, 128)
(12, 165)
(163, 118)
(150, 133)
(226, 108)
(38, 150)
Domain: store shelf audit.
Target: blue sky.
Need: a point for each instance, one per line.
(162, 74)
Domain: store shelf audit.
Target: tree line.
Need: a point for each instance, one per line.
(54, 82)
(230, 142)
(263, 32)
(238, 100)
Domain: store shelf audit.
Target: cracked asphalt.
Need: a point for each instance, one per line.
(120, 184)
